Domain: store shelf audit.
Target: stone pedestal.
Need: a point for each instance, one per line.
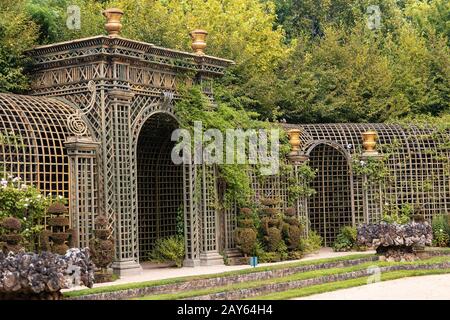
(191, 263)
(126, 268)
(211, 259)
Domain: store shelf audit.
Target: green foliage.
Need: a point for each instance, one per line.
(180, 222)
(27, 204)
(306, 61)
(394, 214)
(282, 250)
(246, 232)
(441, 230)
(297, 190)
(51, 17)
(227, 114)
(430, 16)
(17, 34)
(375, 170)
(341, 71)
(170, 249)
(312, 243)
(346, 239)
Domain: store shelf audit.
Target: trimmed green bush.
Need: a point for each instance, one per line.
(441, 230)
(312, 243)
(245, 234)
(169, 249)
(346, 239)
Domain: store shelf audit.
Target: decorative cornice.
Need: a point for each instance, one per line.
(101, 47)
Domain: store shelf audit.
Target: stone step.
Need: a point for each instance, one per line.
(219, 281)
(283, 286)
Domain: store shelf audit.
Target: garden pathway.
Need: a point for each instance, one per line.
(166, 273)
(415, 288)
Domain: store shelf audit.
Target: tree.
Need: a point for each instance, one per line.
(15, 24)
(241, 30)
(52, 15)
(351, 73)
(430, 16)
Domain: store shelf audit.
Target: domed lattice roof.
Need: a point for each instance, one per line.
(32, 135)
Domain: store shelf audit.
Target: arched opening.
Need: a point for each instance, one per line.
(330, 208)
(159, 183)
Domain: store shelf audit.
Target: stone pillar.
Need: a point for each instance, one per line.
(82, 152)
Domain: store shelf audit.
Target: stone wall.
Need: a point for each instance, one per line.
(42, 276)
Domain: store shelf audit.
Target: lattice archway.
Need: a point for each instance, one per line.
(159, 182)
(330, 208)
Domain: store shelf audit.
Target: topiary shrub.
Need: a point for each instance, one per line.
(245, 234)
(271, 225)
(245, 240)
(292, 230)
(346, 239)
(11, 237)
(102, 249)
(170, 249)
(273, 239)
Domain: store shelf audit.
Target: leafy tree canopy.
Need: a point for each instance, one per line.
(14, 25)
(302, 60)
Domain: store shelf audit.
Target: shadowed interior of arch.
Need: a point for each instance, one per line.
(330, 207)
(160, 183)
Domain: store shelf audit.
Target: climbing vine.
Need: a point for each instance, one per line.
(301, 188)
(225, 113)
(375, 170)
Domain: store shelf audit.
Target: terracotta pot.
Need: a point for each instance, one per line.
(199, 41)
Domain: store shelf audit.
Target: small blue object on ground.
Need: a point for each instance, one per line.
(253, 261)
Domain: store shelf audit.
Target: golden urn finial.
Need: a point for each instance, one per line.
(198, 37)
(294, 139)
(113, 25)
(369, 142)
(296, 156)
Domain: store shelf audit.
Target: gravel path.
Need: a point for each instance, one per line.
(414, 288)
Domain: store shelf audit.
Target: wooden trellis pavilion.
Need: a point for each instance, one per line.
(416, 160)
(417, 163)
(96, 128)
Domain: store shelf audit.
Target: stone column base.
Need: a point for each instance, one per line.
(126, 268)
(211, 259)
(191, 263)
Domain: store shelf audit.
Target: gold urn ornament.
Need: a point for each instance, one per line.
(198, 37)
(296, 155)
(370, 143)
(113, 17)
(294, 139)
